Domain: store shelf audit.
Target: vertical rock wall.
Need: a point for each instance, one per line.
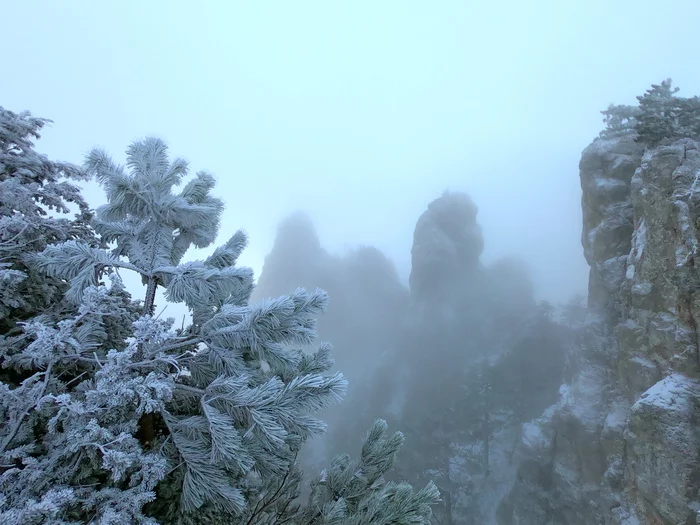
(621, 446)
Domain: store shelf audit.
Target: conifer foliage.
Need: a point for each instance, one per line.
(664, 115)
(112, 416)
(36, 195)
(661, 115)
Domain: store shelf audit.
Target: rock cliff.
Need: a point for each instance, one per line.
(622, 444)
(447, 245)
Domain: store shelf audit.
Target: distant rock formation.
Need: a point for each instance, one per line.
(296, 259)
(367, 300)
(447, 245)
(474, 358)
(622, 445)
(468, 340)
(465, 300)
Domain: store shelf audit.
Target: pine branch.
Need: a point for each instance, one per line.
(8, 243)
(15, 428)
(275, 496)
(187, 341)
(190, 389)
(282, 511)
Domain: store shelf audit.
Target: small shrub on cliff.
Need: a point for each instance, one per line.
(663, 115)
(660, 115)
(619, 120)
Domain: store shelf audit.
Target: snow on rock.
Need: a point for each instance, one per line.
(674, 393)
(583, 398)
(616, 420)
(663, 438)
(639, 240)
(609, 183)
(688, 247)
(641, 288)
(533, 436)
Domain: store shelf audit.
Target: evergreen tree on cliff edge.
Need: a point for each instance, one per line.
(660, 117)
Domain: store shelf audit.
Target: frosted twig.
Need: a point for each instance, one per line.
(190, 389)
(7, 242)
(15, 428)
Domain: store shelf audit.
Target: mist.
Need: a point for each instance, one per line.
(418, 162)
(359, 114)
(464, 352)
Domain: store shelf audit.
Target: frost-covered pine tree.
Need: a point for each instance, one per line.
(619, 120)
(658, 113)
(37, 196)
(118, 418)
(662, 115)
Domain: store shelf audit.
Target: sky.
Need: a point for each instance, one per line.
(358, 112)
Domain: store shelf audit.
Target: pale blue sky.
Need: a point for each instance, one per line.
(359, 112)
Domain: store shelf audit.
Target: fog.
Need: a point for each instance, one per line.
(360, 113)
(418, 161)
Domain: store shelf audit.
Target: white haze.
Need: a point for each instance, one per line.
(358, 112)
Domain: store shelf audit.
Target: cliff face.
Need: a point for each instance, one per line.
(622, 444)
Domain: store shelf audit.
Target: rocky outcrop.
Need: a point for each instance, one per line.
(367, 300)
(622, 444)
(447, 245)
(663, 439)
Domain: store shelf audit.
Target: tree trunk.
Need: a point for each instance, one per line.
(150, 301)
(147, 431)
